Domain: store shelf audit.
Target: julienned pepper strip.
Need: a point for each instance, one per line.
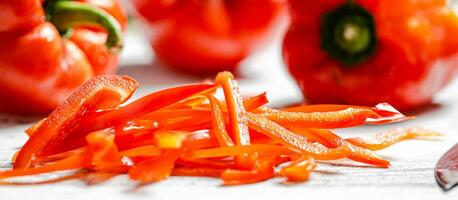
(237, 116)
(52, 47)
(150, 142)
(219, 126)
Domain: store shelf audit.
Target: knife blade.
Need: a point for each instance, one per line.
(446, 170)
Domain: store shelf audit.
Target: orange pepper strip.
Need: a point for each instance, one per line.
(323, 136)
(73, 162)
(198, 99)
(264, 169)
(199, 172)
(145, 105)
(219, 127)
(334, 119)
(264, 149)
(237, 117)
(60, 156)
(235, 108)
(388, 114)
(294, 141)
(200, 140)
(30, 131)
(148, 150)
(319, 108)
(104, 152)
(386, 139)
(178, 113)
(331, 140)
(255, 102)
(299, 170)
(169, 139)
(48, 181)
(367, 156)
(204, 163)
(384, 113)
(155, 169)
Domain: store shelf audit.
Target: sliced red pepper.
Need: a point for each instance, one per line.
(237, 118)
(103, 92)
(323, 136)
(219, 127)
(255, 102)
(147, 104)
(73, 162)
(332, 119)
(104, 152)
(299, 170)
(148, 150)
(263, 149)
(294, 141)
(264, 169)
(155, 169)
(199, 172)
(386, 139)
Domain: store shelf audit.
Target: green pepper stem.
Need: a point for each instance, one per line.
(352, 37)
(68, 14)
(348, 34)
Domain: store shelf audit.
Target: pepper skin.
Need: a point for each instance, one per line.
(49, 48)
(365, 51)
(209, 36)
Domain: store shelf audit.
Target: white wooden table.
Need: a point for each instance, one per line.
(410, 177)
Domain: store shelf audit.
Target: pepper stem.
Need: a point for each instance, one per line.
(68, 14)
(348, 34)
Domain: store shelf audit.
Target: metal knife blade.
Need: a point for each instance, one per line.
(447, 169)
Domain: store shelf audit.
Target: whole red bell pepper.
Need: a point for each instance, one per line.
(48, 48)
(365, 51)
(209, 36)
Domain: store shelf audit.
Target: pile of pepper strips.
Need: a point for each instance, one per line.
(189, 131)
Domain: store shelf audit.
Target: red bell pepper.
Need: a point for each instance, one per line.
(365, 51)
(48, 48)
(209, 36)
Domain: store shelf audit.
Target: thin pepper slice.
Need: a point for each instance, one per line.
(264, 169)
(78, 161)
(155, 169)
(147, 104)
(148, 150)
(104, 152)
(219, 127)
(103, 92)
(298, 170)
(386, 139)
(333, 119)
(294, 141)
(262, 149)
(199, 172)
(323, 136)
(237, 115)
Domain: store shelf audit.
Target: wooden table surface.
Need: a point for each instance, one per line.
(410, 177)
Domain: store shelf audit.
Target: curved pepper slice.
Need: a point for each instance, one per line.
(299, 170)
(103, 92)
(219, 127)
(386, 139)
